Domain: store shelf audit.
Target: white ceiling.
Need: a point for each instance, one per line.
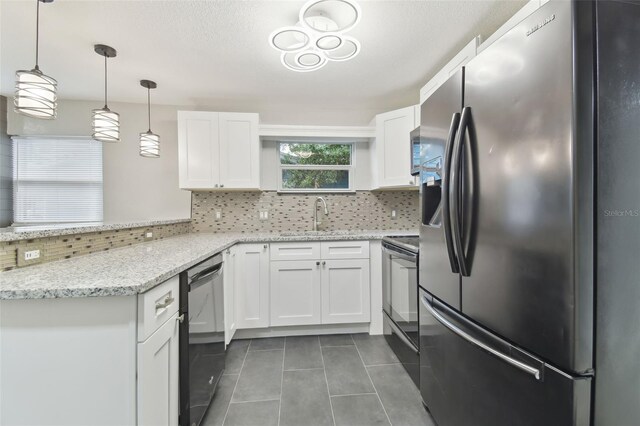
(216, 53)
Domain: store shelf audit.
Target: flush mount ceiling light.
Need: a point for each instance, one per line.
(36, 94)
(149, 141)
(106, 123)
(318, 37)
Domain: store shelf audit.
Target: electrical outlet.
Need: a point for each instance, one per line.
(148, 235)
(394, 215)
(264, 215)
(31, 254)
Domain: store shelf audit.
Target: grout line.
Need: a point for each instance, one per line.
(284, 349)
(236, 385)
(324, 368)
(354, 394)
(305, 369)
(257, 400)
(383, 365)
(267, 350)
(336, 346)
(372, 384)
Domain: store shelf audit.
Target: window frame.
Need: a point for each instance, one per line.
(350, 168)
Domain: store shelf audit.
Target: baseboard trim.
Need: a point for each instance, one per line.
(301, 330)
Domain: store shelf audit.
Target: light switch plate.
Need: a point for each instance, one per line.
(148, 235)
(218, 215)
(394, 215)
(30, 255)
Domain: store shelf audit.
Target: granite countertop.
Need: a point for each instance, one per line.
(36, 231)
(138, 268)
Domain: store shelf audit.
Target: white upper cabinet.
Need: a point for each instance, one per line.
(391, 153)
(458, 61)
(218, 150)
(239, 150)
(198, 149)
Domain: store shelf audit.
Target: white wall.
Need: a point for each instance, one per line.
(135, 188)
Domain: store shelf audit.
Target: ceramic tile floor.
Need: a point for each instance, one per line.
(350, 380)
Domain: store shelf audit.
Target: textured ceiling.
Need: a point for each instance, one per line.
(216, 53)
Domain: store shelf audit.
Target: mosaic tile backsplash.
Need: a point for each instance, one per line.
(240, 211)
(66, 246)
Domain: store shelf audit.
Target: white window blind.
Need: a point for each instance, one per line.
(57, 180)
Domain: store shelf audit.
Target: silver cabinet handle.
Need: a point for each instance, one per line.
(318, 263)
(211, 380)
(180, 318)
(466, 336)
(265, 246)
(167, 301)
(216, 185)
(324, 263)
(221, 186)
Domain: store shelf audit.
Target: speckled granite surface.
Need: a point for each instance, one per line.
(31, 232)
(136, 269)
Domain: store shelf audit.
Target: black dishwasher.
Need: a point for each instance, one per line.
(202, 346)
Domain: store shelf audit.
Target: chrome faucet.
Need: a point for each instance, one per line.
(316, 222)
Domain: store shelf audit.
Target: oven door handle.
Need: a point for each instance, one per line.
(398, 253)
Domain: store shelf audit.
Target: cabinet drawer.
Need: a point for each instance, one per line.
(345, 250)
(295, 251)
(156, 306)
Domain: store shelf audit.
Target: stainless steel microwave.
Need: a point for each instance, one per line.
(415, 151)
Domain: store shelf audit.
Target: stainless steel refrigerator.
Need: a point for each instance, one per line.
(529, 268)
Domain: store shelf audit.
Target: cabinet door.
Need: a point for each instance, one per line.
(345, 291)
(392, 147)
(295, 292)
(158, 387)
(239, 150)
(198, 153)
(229, 294)
(252, 286)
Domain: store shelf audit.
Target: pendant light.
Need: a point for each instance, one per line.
(36, 94)
(106, 123)
(149, 141)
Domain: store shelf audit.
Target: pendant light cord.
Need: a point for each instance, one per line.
(37, 30)
(149, 106)
(105, 82)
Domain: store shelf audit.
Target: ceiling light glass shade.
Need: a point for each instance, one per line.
(290, 39)
(290, 61)
(106, 125)
(344, 13)
(36, 95)
(149, 145)
(348, 50)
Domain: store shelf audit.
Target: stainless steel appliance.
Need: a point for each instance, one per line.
(528, 306)
(414, 139)
(400, 300)
(202, 346)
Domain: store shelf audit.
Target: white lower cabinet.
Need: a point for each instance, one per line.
(229, 259)
(158, 386)
(295, 292)
(345, 291)
(252, 285)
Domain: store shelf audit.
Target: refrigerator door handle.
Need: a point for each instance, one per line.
(446, 210)
(454, 189)
(469, 338)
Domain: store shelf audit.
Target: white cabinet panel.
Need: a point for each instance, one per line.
(252, 285)
(158, 387)
(391, 148)
(295, 251)
(229, 259)
(295, 292)
(345, 291)
(156, 306)
(239, 150)
(218, 150)
(344, 250)
(457, 62)
(198, 152)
